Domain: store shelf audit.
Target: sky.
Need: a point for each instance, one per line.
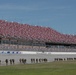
(57, 14)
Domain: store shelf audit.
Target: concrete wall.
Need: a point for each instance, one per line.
(37, 58)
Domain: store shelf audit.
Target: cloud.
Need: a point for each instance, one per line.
(30, 7)
(14, 7)
(21, 7)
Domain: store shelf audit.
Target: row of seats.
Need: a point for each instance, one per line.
(36, 48)
(25, 31)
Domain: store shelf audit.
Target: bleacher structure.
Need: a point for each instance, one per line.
(35, 42)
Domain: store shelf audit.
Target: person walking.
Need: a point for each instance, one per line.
(13, 61)
(6, 61)
(10, 61)
(0, 62)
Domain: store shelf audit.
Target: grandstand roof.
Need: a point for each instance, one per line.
(25, 31)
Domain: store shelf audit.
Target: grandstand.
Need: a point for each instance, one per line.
(26, 40)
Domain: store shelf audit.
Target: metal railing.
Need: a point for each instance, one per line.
(36, 48)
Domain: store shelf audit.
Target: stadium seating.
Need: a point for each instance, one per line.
(13, 29)
(29, 32)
